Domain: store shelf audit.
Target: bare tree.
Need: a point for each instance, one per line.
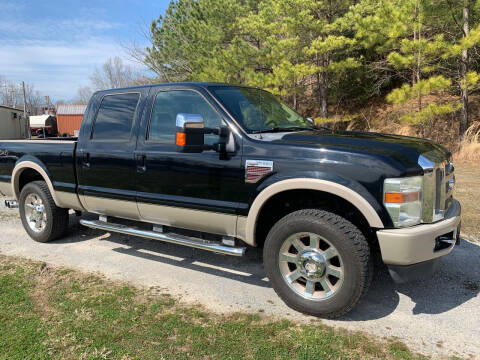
(83, 95)
(34, 100)
(9, 92)
(137, 52)
(115, 74)
(11, 95)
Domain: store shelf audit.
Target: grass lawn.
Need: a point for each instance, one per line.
(50, 313)
(468, 193)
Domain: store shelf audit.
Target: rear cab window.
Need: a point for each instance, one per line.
(115, 117)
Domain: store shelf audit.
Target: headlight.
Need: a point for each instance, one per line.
(403, 199)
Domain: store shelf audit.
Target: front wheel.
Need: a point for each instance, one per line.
(42, 219)
(318, 262)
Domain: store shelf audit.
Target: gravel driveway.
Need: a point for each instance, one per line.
(439, 317)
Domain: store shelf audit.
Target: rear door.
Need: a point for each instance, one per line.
(105, 156)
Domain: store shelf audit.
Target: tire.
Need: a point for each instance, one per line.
(54, 220)
(326, 285)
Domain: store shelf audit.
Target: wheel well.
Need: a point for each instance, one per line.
(289, 201)
(27, 176)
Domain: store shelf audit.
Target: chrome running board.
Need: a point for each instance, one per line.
(171, 238)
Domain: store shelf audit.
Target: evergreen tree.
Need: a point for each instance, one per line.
(316, 53)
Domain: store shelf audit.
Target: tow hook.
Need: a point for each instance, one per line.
(11, 204)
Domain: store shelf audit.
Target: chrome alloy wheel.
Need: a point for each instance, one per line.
(35, 213)
(311, 266)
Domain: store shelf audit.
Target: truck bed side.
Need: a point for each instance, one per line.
(50, 160)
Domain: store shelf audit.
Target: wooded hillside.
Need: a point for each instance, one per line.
(330, 59)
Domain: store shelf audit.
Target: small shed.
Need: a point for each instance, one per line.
(69, 118)
(12, 123)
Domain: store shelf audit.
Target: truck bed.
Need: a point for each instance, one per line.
(56, 156)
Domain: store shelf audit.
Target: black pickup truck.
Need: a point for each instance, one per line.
(217, 167)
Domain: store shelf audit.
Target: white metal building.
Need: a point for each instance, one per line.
(12, 123)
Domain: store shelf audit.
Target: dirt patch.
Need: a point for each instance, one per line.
(44, 280)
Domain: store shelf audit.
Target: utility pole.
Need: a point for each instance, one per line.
(27, 119)
(47, 101)
(12, 93)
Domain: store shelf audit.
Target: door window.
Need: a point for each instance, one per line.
(170, 103)
(115, 117)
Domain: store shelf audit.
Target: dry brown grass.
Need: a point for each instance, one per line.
(467, 191)
(380, 116)
(469, 149)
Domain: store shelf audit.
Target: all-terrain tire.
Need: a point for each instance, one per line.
(56, 224)
(351, 247)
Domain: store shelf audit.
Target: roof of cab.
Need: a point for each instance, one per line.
(189, 83)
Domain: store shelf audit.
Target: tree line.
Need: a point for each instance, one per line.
(323, 55)
(11, 94)
(114, 73)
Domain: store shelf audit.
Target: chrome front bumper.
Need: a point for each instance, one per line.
(421, 243)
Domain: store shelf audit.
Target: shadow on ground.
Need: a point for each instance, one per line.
(456, 281)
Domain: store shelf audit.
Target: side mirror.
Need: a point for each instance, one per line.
(190, 136)
(310, 120)
(190, 133)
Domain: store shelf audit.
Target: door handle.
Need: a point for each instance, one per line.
(86, 160)
(141, 163)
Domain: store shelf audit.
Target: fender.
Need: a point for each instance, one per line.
(64, 200)
(352, 196)
(30, 162)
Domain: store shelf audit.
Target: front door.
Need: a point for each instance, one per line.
(106, 160)
(184, 190)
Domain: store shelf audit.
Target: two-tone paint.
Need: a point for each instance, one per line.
(149, 181)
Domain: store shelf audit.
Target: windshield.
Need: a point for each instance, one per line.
(257, 110)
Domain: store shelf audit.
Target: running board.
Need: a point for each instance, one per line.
(171, 238)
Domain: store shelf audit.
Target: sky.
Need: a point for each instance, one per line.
(55, 45)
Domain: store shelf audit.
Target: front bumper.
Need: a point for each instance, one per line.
(421, 243)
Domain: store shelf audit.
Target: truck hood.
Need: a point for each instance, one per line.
(403, 149)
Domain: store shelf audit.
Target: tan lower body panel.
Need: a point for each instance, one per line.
(198, 220)
(242, 229)
(63, 199)
(416, 244)
(111, 207)
(68, 200)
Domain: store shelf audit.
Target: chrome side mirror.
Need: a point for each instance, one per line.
(186, 121)
(190, 136)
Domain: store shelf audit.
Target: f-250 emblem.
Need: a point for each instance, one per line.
(3, 152)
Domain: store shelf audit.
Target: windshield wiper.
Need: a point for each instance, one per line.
(283, 129)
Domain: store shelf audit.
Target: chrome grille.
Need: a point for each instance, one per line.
(437, 190)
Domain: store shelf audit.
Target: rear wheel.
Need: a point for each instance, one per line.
(318, 262)
(42, 219)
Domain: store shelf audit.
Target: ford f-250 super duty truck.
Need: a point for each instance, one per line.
(215, 167)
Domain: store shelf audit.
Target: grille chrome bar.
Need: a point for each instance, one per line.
(437, 192)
